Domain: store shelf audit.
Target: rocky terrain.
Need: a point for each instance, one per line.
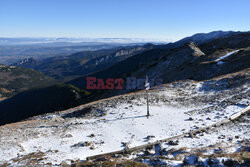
(82, 63)
(119, 123)
(188, 61)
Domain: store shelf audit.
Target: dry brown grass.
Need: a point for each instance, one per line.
(110, 164)
(31, 159)
(83, 61)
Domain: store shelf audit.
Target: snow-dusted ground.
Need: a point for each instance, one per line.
(224, 142)
(175, 109)
(227, 55)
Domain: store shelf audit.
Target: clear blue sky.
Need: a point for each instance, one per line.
(163, 19)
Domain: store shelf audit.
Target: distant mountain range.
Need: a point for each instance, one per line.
(87, 62)
(82, 63)
(74, 41)
(200, 38)
(186, 61)
(10, 54)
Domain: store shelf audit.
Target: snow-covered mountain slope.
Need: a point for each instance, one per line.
(120, 122)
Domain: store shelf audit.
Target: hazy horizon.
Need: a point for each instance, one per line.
(163, 20)
(99, 39)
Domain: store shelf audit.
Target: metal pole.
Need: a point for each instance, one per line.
(147, 85)
(147, 104)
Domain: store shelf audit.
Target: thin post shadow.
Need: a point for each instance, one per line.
(118, 119)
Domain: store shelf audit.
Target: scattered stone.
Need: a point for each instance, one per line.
(92, 135)
(173, 143)
(195, 127)
(191, 160)
(102, 159)
(65, 163)
(221, 137)
(21, 146)
(150, 137)
(217, 117)
(132, 98)
(82, 144)
(149, 152)
(117, 156)
(66, 136)
(191, 135)
(125, 144)
(170, 156)
(92, 147)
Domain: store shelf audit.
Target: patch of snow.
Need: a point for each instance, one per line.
(220, 62)
(227, 55)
